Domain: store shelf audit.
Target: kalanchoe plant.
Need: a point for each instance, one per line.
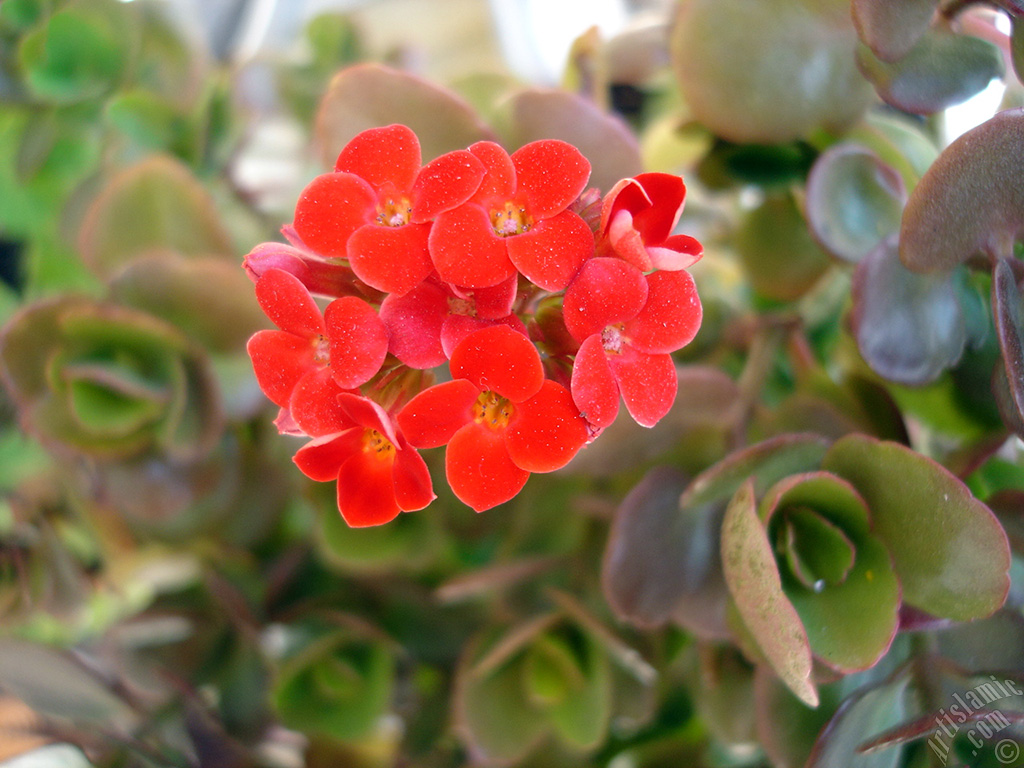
(453, 259)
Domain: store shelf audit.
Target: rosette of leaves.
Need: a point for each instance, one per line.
(108, 381)
(338, 684)
(819, 546)
(549, 680)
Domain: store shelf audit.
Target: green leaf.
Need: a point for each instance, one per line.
(370, 95)
(742, 67)
(969, 202)
(766, 462)
(662, 561)
(756, 588)
(941, 70)
(167, 209)
(1017, 45)
(339, 686)
(581, 718)
(148, 119)
(863, 715)
(948, 550)
(778, 254)
(210, 299)
(854, 200)
(891, 29)
(73, 56)
(55, 684)
(604, 139)
(909, 327)
(1009, 320)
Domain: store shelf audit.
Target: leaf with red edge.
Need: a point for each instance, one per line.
(605, 292)
(499, 182)
(552, 173)
(499, 359)
(594, 388)
(358, 341)
(546, 431)
(413, 487)
(314, 404)
(648, 384)
(1006, 306)
(466, 251)
(891, 29)
(431, 418)
(754, 582)
(279, 360)
(366, 490)
(478, 467)
(321, 458)
(970, 201)
(369, 95)
(551, 253)
(390, 259)
(414, 325)
(445, 183)
(606, 139)
(330, 209)
(288, 304)
(670, 318)
(386, 158)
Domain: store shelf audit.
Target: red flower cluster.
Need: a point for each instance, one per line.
(482, 262)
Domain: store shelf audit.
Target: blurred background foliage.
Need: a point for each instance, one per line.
(814, 552)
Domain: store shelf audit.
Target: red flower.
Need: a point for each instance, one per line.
(313, 355)
(376, 207)
(428, 322)
(637, 218)
(627, 323)
(517, 219)
(379, 474)
(499, 417)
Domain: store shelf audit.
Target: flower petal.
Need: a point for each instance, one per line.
(625, 242)
(478, 467)
(655, 201)
(330, 209)
(321, 459)
(499, 359)
(493, 302)
(358, 341)
(648, 384)
(414, 325)
(499, 181)
(594, 388)
(678, 252)
(546, 431)
(287, 303)
(670, 318)
(314, 404)
(366, 490)
(445, 183)
(458, 327)
(435, 414)
(279, 360)
(391, 259)
(368, 414)
(552, 173)
(553, 250)
(413, 488)
(466, 251)
(605, 292)
(385, 157)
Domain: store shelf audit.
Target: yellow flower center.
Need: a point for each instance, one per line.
(321, 351)
(510, 220)
(395, 212)
(374, 441)
(493, 410)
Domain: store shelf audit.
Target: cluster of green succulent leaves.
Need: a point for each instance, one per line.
(802, 564)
